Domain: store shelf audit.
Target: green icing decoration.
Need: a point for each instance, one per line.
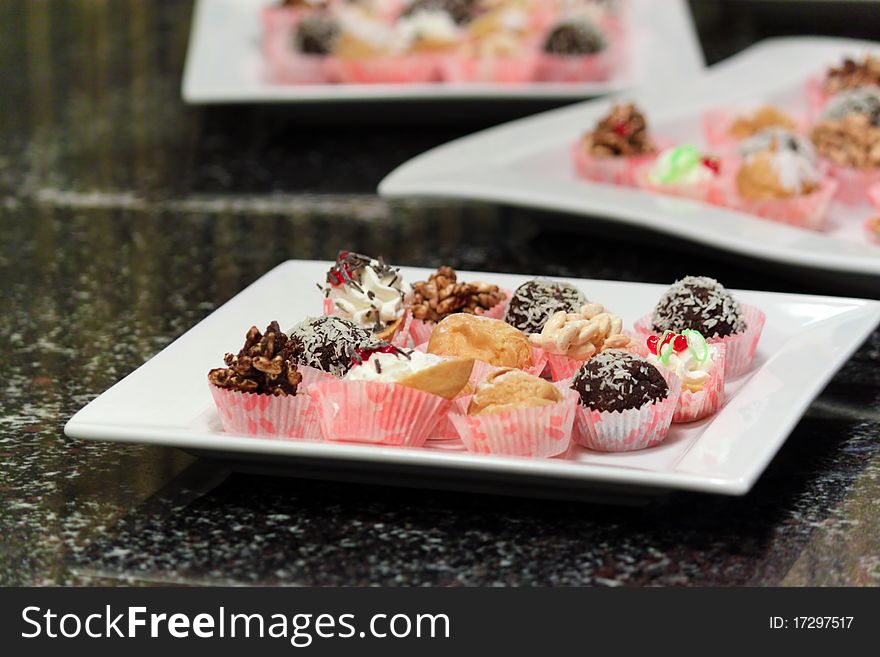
(676, 164)
(697, 344)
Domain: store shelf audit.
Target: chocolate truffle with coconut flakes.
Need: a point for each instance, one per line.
(573, 37)
(699, 303)
(534, 302)
(329, 343)
(617, 381)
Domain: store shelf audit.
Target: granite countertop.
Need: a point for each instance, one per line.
(127, 217)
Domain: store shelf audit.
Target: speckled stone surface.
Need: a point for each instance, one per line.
(127, 217)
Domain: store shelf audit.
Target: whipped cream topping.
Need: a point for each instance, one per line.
(392, 367)
(681, 165)
(374, 298)
(429, 25)
(693, 365)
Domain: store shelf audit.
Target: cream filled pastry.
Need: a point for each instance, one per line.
(365, 290)
(686, 354)
(777, 174)
(415, 369)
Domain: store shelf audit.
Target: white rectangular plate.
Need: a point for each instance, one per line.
(224, 63)
(528, 162)
(806, 339)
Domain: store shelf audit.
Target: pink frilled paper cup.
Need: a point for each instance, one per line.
(693, 406)
(457, 68)
(874, 195)
(285, 64)
(809, 211)
(398, 69)
(445, 430)
(597, 67)
(739, 347)
(629, 430)
(707, 192)
(376, 413)
(817, 97)
(293, 417)
(539, 432)
(609, 170)
(855, 186)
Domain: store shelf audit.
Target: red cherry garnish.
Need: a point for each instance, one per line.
(667, 339)
(621, 128)
(712, 164)
(363, 355)
(652, 343)
(680, 343)
(335, 278)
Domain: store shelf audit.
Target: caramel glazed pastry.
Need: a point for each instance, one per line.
(265, 365)
(510, 389)
(442, 294)
(623, 132)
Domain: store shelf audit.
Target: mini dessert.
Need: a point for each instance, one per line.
(767, 116)
(574, 50)
(699, 303)
(460, 11)
(682, 171)
(391, 396)
(482, 338)
(443, 295)
(495, 48)
(259, 392)
(778, 139)
(534, 302)
(514, 413)
(298, 41)
(780, 185)
(328, 343)
(702, 304)
(852, 74)
(509, 389)
(698, 365)
(316, 34)
(571, 338)
(415, 369)
(618, 145)
(368, 292)
(849, 137)
(624, 402)
(724, 128)
(428, 31)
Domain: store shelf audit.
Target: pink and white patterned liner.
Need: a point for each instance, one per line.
(740, 347)
(609, 170)
(538, 432)
(629, 430)
(854, 186)
(377, 413)
(293, 417)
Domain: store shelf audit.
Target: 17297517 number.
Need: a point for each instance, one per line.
(822, 622)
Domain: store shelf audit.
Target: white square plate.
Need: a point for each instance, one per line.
(224, 62)
(528, 162)
(806, 339)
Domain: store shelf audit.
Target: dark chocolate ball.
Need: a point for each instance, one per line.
(461, 11)
(575, 37)
(618, 380)
(328, 343)
(699, 303)
(316, 35)
(534, 302)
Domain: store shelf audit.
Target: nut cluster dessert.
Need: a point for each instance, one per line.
(852, 74)
(264, 365)
(623, 132)
(851, 141)
(442, 294)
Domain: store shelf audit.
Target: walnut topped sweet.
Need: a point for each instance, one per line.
(443, 294)
(852, 74)
(623, 132)
(852, 140)
(265, 365)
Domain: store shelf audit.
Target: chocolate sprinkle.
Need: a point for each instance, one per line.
(699, 303)
(617, 380)
(535, 301)
(575, 37)
(328, 343)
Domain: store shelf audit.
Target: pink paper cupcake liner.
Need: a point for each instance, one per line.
(739, 347)
(629, 430)
(293, 417)
(693, 406)
(854, 186)
(376, 413)
(874, 195)
(445, 430)
(311, 375)
(584, 68)
(809, 211)
(707, 192)
(608, 170)
(817, 97)
(457, 68)
(539, 432)
(411, 68)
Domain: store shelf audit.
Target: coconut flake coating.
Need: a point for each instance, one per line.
(575, 37)
(328, 343)
(535, 301)
(699, 303)
(618, 380)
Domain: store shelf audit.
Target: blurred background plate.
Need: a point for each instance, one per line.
(224, 63)
(528, 163)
